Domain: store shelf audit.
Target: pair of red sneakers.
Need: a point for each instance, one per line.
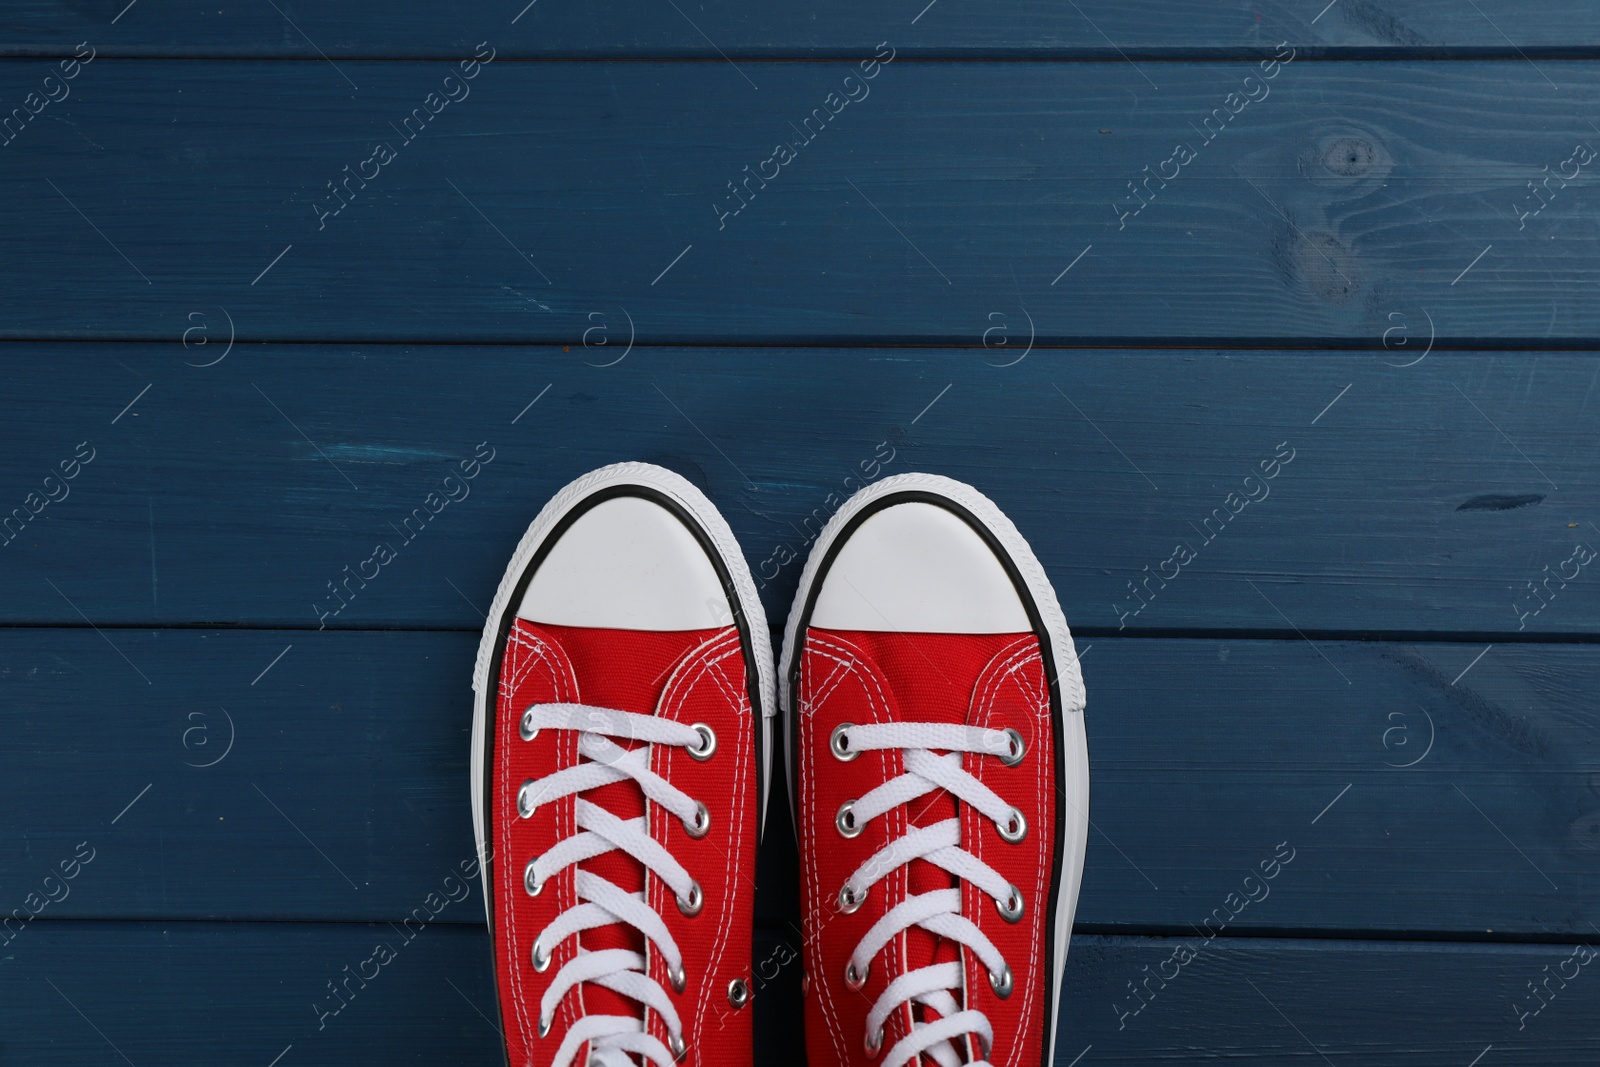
(621, 754)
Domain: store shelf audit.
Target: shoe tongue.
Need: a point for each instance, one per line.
(625, 670)
(930, 678)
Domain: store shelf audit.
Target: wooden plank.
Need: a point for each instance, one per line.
(205, 993)
(1098, 28)
(344, 792)
(1349, 193)
(1420, 499)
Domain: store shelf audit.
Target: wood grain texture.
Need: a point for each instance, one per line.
(1115, 285)
(1423, 500)
(1350, 192)
(365, 28)
(344, 793)
(204, 993)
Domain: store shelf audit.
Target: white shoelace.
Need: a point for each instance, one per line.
(938, 912)
(612, 1038)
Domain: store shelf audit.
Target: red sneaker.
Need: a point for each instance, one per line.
(619, 771)
(940, 780)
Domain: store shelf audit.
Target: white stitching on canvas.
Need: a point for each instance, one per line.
(995, 674)
(896, 820)
(830, 1014)
(681, 686)
(541, 652)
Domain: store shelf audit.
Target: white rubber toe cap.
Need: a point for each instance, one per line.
(627, 564)
(917, 568)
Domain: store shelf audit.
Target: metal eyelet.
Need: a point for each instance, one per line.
(1011, 908)
(532, 886)
(544, 1026)
(839, 743)
(677, 977)
(848, 901)
(846, 820)
(677, 1045)
(697, 899)
(1016, 748)
(872, 1044)
(1014, 829)
(1003, 985)
(708, 743)
(525, 803)
(541, 958)
(527, 729)
(701, 824)
(854, 979)
(738, 993)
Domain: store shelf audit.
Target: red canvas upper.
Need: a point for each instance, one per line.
(693, 676)
(992, 681)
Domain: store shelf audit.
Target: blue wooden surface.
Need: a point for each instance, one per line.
(236, 493)
(1350, 192)
(358, 741)
(217, 392)
(243, 993)
(712, 30)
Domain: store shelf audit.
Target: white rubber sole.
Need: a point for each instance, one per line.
(1069, 679)
(693, 501)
